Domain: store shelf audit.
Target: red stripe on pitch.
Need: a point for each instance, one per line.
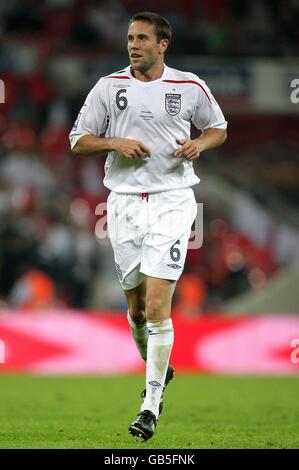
(188, 81)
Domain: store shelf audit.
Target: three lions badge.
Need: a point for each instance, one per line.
(172, 103)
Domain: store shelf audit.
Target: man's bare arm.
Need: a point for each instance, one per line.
(210, 138)
(93, 145)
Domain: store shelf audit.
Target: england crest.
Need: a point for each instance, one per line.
(172, 103)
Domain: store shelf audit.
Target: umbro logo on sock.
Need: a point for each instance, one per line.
(154, 383)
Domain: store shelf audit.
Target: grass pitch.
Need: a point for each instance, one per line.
(200, 412)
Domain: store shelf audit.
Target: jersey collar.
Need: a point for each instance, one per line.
(163, 76)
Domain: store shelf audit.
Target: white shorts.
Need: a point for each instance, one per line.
(149, 234)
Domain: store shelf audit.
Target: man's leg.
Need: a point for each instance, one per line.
(159, 293)
(136, 317)
(136, 299)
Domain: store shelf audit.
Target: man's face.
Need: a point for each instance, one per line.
(144, 50)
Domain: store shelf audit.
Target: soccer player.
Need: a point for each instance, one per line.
(145, 113)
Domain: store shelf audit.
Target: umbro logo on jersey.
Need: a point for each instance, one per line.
(175, 266)
(74, 128)
(173, 103)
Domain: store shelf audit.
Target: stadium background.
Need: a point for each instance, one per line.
(62, 311)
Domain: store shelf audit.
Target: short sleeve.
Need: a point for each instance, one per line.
(207, 113)
(92, 118)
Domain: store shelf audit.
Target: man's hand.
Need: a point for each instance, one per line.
(190, 149)
(209, 139)
(130, 148)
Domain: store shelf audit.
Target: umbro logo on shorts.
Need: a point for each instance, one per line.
(175, 266)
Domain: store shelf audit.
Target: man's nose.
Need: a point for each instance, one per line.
(134, 43)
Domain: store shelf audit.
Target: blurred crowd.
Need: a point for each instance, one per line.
(35, 30)
(49, 255)
(47, 206)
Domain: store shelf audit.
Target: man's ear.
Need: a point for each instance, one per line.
(164, 43)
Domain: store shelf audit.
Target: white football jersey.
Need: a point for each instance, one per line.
(155, 113)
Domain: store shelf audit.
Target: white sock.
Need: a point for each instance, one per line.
(140, 335)
(159, 346)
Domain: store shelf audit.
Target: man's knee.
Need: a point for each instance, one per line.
(136, 304)
(155, 309)
(138, 316)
